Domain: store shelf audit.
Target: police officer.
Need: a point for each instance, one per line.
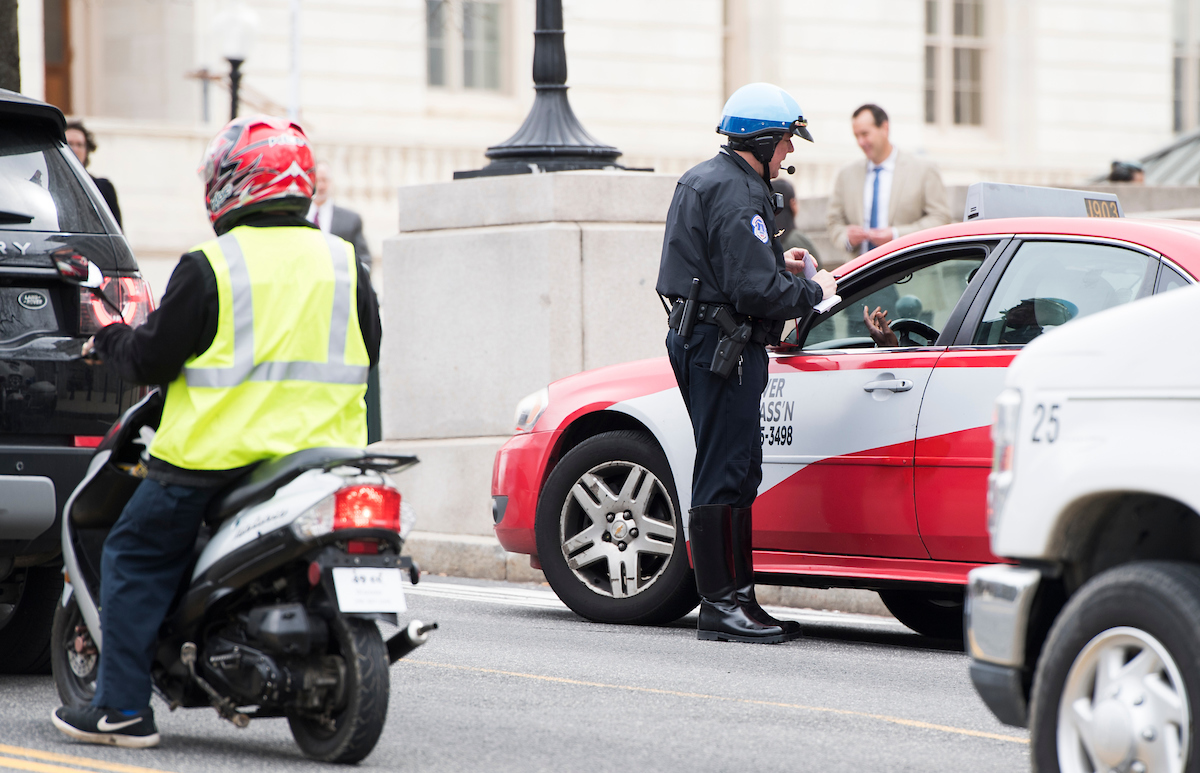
(264, 337)
(732, 286)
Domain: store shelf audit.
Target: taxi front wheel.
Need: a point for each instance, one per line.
(610, 535)
(1118, 681)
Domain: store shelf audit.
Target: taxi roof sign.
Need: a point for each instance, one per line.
(992, 200)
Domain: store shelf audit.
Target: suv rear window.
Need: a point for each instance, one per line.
(38, 188)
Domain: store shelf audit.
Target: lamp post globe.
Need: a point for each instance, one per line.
(236, 28)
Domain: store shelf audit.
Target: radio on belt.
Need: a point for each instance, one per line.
(986, 201)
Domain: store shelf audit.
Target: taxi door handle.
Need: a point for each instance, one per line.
(891, 385)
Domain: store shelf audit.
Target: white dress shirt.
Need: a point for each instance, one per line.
(886, 174)
(326, 212)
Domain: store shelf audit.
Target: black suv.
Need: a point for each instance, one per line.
(54, 227)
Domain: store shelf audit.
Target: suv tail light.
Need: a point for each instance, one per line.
(367, 507)
(130, 293)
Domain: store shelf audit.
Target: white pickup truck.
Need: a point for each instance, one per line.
(1091, 637)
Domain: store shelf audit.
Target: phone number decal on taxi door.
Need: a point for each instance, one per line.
(773, 413)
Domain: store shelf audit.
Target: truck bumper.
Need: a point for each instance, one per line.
(999, 600)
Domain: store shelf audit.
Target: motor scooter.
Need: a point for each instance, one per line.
(277, 615)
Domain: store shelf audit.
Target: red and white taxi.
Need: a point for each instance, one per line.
(875, 459)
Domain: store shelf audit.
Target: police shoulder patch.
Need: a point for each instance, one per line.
(760, 229)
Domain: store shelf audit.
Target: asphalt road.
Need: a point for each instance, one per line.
(513, 681)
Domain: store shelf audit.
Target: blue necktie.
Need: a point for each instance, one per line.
(875, 203)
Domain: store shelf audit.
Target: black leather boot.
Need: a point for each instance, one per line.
(721, 616)
(743, 573)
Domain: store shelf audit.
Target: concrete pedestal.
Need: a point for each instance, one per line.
(493, 288)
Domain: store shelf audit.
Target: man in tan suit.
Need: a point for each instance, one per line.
(889, 196)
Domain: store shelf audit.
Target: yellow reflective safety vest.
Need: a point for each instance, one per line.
(287, 368)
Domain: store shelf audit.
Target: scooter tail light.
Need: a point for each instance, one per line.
(367, 507)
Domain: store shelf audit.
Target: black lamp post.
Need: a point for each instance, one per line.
(551, 139)
(235, 83)
(236, 27)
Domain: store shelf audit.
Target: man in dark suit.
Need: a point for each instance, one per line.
(347, 224)
(82, 143)
(336, 220)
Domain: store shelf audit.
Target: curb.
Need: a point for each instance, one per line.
(482, 558)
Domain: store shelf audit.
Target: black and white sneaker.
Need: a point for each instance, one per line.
(107, 726)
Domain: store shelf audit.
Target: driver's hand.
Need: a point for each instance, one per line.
(89, 350)
(879, 327)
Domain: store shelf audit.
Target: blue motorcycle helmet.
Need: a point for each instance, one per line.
(756, 117)
(762, 108)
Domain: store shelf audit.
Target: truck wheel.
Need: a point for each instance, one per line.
(1117, 684)
(25, 637)
(610, 534)
(937, 613)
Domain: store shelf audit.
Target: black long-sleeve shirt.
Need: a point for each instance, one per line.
(185, 324)
(720, 229)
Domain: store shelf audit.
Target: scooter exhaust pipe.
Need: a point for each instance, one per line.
(413, 636)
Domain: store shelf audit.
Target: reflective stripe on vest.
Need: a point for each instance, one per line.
(334, 370)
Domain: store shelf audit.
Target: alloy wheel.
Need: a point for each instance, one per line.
(618, 529)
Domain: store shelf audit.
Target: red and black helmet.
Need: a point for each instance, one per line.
(256, 160)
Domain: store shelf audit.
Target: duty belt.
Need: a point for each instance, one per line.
(707, 313)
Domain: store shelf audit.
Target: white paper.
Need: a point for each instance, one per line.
(810, 270)
(368, 589)
(828, 304)
(810, 266)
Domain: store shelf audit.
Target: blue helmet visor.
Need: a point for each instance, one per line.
(735, 126)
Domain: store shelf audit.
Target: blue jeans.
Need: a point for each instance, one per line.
(145, 557)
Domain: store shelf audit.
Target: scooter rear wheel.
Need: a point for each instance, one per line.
(74, 672)
(358, 723)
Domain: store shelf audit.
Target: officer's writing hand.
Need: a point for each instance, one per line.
(89, 351)
(827, 282)
(856, 235)
(879, 327)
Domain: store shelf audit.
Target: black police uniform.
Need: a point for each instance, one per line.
(720, 230)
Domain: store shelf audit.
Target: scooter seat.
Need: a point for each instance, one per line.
(268, 477)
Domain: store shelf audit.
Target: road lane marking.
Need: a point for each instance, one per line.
(749, 701)
(78, 762)
(546, 599)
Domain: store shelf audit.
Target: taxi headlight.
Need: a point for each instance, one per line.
(530, 409)
(1005, 417)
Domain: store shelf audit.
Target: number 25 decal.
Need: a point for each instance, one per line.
(1048, 416)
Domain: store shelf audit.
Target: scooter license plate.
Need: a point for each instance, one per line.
(368, 589)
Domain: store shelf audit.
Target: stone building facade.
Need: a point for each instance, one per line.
(399, 92)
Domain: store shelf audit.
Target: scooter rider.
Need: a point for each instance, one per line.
(732, 287)
(264, 338)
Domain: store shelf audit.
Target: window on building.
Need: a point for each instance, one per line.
(57, 28)
(1185, 85)
(481, 46)
(463, 44)
(435, 47)
(955, 62)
